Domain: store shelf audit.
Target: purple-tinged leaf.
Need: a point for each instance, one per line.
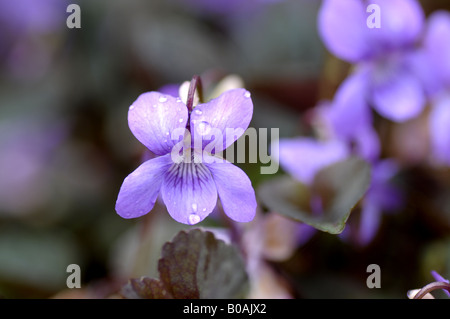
(194, 265)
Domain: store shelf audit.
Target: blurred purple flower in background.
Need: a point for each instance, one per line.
(349, 119)
(27, 147)
(29, 32)
(384, 57)
(188, 188)
(434, 68)
(303, 157)
(345, 126)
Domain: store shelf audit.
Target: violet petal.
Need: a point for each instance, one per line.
(399, 97)
(440, 130)
(342, 27)
(401, 24)
(231, 112)
(140, 189)
(154, 118)
(235, 191)
(304, 157)
(189, 192)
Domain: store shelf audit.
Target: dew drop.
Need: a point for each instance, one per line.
(180, 120)
(131, 107)
(204, 209)
(194, 207)
(165, 141)
(179, 100)
(154, 105)
(167, 133)
(203, 128)
(199, 112)
(162, 99)
(247, 94)
(193, 219)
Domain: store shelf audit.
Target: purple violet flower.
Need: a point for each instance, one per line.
(433, 64)
(27, 150)
(28, 30)
(384, 56)
(348, 118)
(189, 182)
(345, 126)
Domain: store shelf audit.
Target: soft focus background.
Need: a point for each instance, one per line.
(65, 145)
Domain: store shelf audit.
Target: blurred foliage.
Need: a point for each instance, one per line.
(328, 203)
(77, 85)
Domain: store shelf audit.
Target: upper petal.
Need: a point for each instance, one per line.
(189, 192)
(437, 45)
(235, 191)
(154, 118)
(304, 157)
(440, 130)
(367, 144)
(342, 27)
(170, 89)
(140, 189)
(349, 112)
(222, 120)
(399, 97)
(401, 24)
(425, 68)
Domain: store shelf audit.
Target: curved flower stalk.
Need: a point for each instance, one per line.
(425, 292)
(384, 57)
(186, 170)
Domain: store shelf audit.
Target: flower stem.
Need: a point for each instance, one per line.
(196, 84)
(430, 287)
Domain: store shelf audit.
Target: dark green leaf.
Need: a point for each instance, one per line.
(338, 188)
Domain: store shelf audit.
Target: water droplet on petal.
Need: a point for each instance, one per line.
(199, 112)
(194, 207)
(154, 105)
(131, 107)
(167, 133)
(203, 128)
(204, 209)
(247, 94)
(179, 100)
(193, 219)
(180, 120)
(162, 99)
